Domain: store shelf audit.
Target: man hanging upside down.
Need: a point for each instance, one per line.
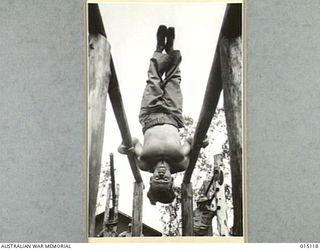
(161, 116)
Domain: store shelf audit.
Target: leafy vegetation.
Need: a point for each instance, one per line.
(203, 172)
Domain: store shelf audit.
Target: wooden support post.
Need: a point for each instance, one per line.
(118, 109)
(137, 209)
(99, 75)
(111, 215)
(187, 209)
(220, 197)
(106, 217)
(113, 182)
(116, 204)
(110, 229)
(231, 68)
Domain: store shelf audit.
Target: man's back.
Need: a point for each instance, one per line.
(162, 142)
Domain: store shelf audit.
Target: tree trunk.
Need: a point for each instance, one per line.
(231, 69)
(99, 75)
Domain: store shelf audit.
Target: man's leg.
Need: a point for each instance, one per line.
(172, 96)
(172, 92)
(152, 100)
(153, 92)
(163, 96)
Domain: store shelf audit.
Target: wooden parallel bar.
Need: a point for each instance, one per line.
(118, 109)
(209, 105)
(231, 27)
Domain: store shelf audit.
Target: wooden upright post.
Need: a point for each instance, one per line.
(99, 77)
(210, 102)
(116, 204)
(231, 70)
(187, 209)
(111, 215)
(110, 220)
(137, 209)
(106, 217)
(113, 183)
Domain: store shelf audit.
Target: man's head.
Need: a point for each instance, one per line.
(161, 184)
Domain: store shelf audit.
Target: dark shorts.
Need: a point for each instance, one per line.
(155, 119)
(162, 98)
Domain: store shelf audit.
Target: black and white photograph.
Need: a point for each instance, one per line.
(165, 120)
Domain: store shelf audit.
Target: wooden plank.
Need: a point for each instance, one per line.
(231, 64)
(99, 74)
(137, 209)
(118, 109)
(187, 209)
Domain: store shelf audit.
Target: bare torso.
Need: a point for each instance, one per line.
(162, 142)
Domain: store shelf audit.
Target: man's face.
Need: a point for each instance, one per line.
(162, 173)
(161, 184)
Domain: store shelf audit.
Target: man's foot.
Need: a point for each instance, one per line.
(161, 36)
(170, 39)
